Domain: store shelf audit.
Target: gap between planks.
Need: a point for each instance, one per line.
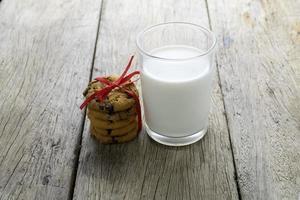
(225, 109)
(78, 145)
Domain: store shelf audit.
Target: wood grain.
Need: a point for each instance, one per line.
(46, 53)
(144, 169)
(259, 64)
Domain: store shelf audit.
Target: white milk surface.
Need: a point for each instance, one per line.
(176, 94)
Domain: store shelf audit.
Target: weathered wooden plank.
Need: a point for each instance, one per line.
(259, 63)
(144, 169)
(46, 53)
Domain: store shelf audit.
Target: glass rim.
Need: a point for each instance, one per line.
(149, 28)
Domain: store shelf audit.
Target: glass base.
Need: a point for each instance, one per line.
(175, 141)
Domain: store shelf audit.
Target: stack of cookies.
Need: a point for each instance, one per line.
(113, 120)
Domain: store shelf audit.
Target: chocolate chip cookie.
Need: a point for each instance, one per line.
(106, 124)
(112, 139)
(114, 116)
(117, 100)
(116, 132)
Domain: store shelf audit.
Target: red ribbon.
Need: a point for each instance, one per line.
(122, 81)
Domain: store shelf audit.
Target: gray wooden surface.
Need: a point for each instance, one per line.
(46, 52)
(259, 64)
(50, 49)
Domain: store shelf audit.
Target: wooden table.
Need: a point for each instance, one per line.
(49, 50)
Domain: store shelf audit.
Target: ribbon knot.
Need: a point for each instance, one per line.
(122, 81)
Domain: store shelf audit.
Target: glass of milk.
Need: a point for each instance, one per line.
(177, 70)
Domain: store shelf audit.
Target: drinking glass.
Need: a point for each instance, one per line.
(176, 78)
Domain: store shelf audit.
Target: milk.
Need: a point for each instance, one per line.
(176, 94)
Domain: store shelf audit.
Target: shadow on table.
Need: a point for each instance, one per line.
(144, 167)
(136, 157)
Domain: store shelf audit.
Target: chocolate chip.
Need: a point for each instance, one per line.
(106, 107)
(101, 107)
(114, 140)
(109, 131)
(109, 108)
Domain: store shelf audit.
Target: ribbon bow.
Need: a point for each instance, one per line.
(122, 81)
